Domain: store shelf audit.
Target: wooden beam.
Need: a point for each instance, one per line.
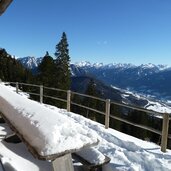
(4, 5)
(165, 130)
(63, 163)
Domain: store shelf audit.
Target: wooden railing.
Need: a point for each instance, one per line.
(107, 113)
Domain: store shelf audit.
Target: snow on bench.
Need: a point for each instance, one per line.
(91, 158)
(47, 134)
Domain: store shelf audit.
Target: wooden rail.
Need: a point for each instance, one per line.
(165, 126)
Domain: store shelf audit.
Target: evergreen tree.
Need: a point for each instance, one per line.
(91, 88)
(11, 69)
(92, 103)
(46, 71)
(63, 75)
(46, 77)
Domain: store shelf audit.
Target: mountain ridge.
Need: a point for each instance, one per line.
(147, 79)
(31, 62)
(120, 65)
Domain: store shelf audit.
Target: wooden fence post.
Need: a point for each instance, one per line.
(68, 100)
(41, 93)
(17, 87)
(165, 128)
(107, 116)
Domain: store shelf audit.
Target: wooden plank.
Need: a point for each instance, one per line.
(107, 115)
(85, 95)
(165, 129)
(63, 163)
(136, 125)
(138, 108)
(4, 5)
(88, 108)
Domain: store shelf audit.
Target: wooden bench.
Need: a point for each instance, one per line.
(36, 130)
(58, 162)
(83, 156)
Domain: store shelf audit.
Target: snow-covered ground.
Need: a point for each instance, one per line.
(151, 105)
(127, 153)
(159, 107)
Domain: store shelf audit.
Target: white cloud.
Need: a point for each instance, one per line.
(104, 42)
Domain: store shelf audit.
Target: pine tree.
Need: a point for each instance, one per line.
(46, 71)
(10, 68)
(90, 102)
(91, 88)
(63, 75)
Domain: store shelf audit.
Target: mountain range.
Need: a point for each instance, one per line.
(148, 79)
(116, 80)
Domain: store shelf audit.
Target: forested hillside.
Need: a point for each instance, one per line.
(11, 69)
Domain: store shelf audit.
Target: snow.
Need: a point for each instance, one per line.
(30, 62)
(158, 107)
(83, 64)
(4, 130)
(92, 155)
(151, 105)
(48, 131)
(103, 66)
(15, 157)
(126, 152)
(121, 65)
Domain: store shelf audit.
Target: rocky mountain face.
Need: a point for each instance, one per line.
(30, 62)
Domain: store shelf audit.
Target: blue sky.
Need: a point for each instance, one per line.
(108, 31)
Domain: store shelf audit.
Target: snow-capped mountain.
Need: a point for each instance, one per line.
(30, 62)
(115, 73)
(86, 64)
(148, 79)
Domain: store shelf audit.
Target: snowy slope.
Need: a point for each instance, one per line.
(127, 153)
(152, 104)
